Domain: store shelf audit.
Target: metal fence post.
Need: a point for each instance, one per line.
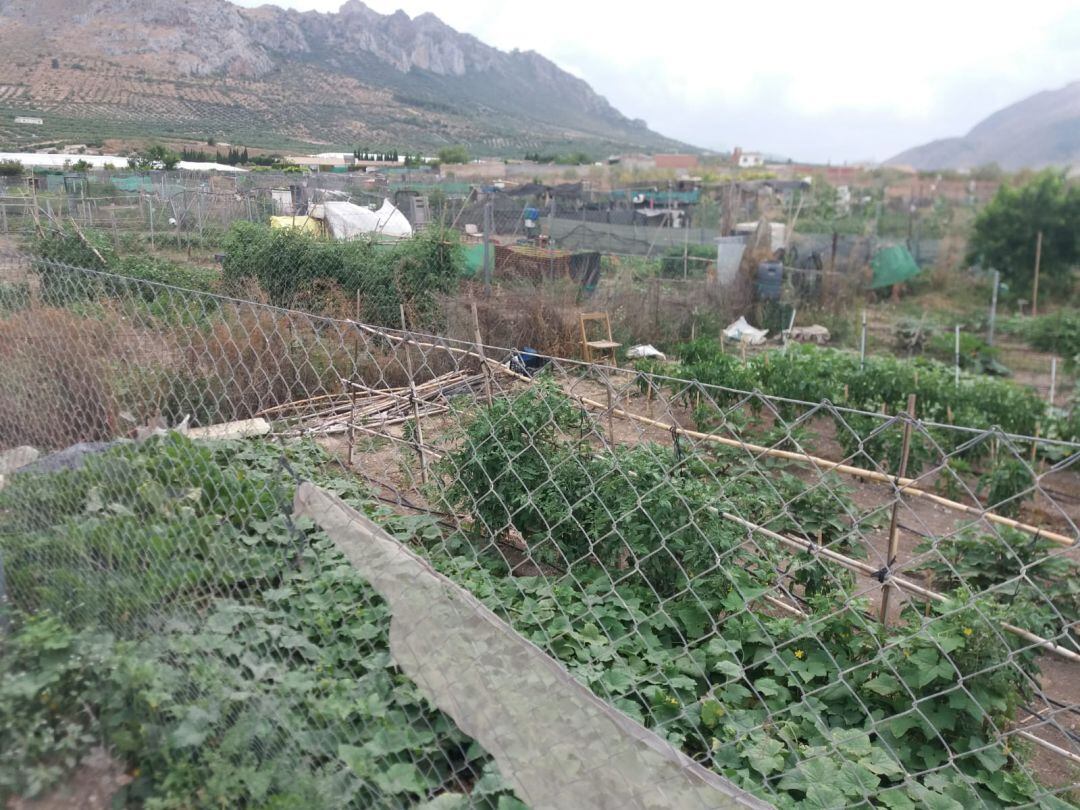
(489, 224)
(5, 618)
(956, 374)
(862, 342)
(1053, 379)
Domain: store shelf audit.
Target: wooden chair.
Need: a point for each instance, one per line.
(601, 347)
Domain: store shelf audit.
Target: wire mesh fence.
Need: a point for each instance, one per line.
(259, 557)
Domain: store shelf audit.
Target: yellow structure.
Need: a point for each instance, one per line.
(305, 224)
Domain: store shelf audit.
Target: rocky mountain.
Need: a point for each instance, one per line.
(1042, 130)
(267, 76)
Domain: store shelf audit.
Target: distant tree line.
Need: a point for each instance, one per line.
(389, 156)
(235, 156)
(572, 159)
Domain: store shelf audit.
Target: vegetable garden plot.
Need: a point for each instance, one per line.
(165, 603)
(707, 561)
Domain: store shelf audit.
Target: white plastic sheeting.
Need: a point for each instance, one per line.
(33, 160)
(743, 332)
(645, 350)
(348, 220)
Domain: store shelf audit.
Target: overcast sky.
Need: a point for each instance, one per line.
(831, 80)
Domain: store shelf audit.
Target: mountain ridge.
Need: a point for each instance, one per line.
(351, 76)
(1038, 131)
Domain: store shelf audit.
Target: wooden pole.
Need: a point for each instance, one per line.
(483, 358)
(1035, 283)
(352, 426)
(418, 433)
(610, 408)
(894, 523)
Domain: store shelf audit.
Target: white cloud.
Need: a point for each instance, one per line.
(833, 79)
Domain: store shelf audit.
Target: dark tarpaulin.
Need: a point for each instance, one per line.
(585, 269)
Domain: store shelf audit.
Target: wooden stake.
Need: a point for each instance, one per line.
(610, 408)
(483, 357)
(352, 426)
(1035, 283)
(418, 432)
(894, 524)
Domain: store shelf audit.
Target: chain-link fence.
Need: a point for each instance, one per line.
(256, 557)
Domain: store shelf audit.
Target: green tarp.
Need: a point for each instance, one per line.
(134, 183)
(474, 259)
(893, 265)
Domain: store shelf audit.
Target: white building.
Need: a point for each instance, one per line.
(751, 160)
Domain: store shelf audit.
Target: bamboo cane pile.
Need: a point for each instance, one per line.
(362, 407)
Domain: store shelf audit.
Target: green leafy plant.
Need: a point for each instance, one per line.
(775, 703)
(47, 672)
(155, 156)
(812, 375)
(1058, 333)
(1008, 484)
(287, 263)
(246, 662)
(1006, 230)
(1038, 581)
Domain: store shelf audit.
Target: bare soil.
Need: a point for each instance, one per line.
(90, 786)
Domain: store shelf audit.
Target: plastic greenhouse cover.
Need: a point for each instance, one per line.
(347, 220)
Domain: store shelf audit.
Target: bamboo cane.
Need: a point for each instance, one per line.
(899, 582)
(905, 485)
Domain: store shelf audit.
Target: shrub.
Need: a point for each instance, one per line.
(697, 259)
(14, 296)
(288, 264)
(1058, 333)
(453, 154)
(976, 355)
(1034, 577)
(1006, 230)
(56, 370)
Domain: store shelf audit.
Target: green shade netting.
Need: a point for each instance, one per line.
(893, 265)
